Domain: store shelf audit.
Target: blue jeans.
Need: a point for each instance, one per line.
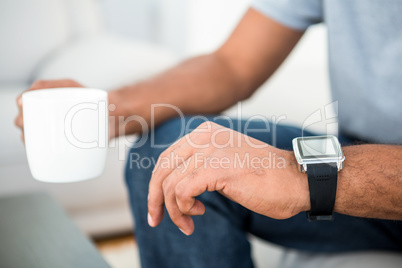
(220, 237)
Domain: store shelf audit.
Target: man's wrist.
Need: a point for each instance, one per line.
(302, 198)
(126, 102)
(122, 101)
(115, 111)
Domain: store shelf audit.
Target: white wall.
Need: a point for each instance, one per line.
(188, 27)
(211, 22)
(299, 88)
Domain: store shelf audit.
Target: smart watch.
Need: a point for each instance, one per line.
(321, 157)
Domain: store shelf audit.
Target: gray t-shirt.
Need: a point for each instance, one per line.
(365, 59)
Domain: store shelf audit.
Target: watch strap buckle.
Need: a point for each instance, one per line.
(319, 217)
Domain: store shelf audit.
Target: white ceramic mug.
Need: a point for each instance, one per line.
(66, 133)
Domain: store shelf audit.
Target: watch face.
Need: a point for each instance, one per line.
(318, 147)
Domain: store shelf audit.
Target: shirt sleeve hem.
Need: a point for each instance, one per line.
(281, 16)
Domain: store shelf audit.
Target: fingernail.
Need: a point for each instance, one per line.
(182, 231)
(155, 168)
(150, 220)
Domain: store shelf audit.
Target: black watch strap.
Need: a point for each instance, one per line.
(322, 181)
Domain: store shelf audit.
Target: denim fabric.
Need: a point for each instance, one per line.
(220, 237)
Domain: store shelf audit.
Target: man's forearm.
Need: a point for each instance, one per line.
(201, 85)
(370, 184)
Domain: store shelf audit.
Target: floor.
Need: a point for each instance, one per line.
(120, 252)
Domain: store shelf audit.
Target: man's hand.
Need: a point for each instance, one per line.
(256, 175)
(41, 84)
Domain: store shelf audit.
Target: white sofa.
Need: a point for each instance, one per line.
(53, 39)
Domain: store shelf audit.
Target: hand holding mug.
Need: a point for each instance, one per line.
(65, 130)
(41, 84)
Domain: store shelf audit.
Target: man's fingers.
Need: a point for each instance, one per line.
(183, 222)
(174, 164)
(184, 170)
(196, 209)
(198, 139)
(156, 198)
(155, 194)
(165, 194)
(19, 121)
(193, 185)
(186, 192)
(41, 84)
(169, 159)
(19, 102)
(155, 206)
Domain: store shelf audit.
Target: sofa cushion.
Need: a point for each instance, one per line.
(106, 62)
